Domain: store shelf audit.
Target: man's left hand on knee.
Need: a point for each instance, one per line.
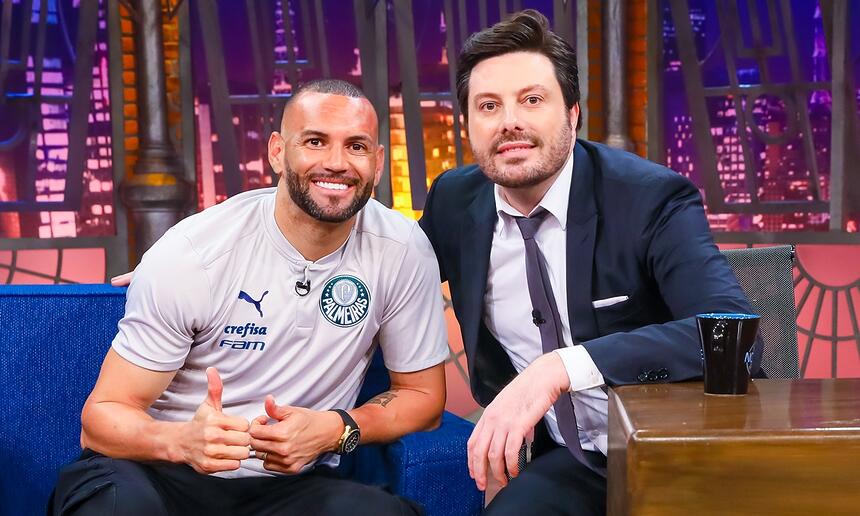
(495, 443)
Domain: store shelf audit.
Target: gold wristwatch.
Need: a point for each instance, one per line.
(351, 434)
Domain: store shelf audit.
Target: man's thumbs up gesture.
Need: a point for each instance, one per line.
(215, 389)
(215, 441)
(287, 438)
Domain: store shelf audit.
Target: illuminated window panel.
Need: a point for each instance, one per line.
(52, 130)
(52, 266)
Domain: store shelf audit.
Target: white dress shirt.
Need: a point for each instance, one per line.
(507, 308)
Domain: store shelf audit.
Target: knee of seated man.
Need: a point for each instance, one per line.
(542, 493)
(104, 486)
(356, 498)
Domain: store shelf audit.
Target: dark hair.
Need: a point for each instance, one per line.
(330, 86)
(525, 31)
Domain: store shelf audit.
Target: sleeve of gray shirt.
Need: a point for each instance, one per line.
(413, 334)
(166, 303)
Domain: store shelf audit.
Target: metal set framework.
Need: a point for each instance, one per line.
(372, 22)
(793, 94)
(261, 34)
(27, 106)
(460, 17)
(372, 27)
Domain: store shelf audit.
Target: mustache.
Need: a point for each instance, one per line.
(520, 136)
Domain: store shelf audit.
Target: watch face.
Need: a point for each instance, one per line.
(351, 441)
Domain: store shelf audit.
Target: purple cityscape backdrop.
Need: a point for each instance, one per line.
(782, 171)
(96, 216)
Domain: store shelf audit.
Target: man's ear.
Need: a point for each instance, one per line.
(276, 152)
(380, 164)
(574, 116)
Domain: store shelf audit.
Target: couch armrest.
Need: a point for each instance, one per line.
(430, 467)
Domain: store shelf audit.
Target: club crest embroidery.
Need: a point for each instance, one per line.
(345, 301)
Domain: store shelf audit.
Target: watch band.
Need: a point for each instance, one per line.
(347, 419)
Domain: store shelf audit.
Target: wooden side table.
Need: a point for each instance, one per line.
(787, 447)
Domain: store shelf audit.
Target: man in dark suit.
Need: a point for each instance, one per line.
(573, 267)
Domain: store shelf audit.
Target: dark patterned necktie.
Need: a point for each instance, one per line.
(546, 318)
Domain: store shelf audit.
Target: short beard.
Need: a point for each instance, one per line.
(557, 154)
(300, 194)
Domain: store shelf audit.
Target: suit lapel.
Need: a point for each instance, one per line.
(581, 235)
(476, 240)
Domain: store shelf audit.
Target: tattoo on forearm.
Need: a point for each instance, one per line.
(383, 399)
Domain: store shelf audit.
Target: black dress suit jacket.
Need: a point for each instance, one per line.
(634, 229)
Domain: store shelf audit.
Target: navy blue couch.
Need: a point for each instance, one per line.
(53, 341)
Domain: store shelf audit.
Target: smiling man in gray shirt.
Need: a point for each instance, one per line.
(230, 386)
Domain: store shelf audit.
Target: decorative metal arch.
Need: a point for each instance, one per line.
(823, 291)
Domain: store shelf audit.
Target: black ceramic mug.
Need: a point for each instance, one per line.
(726, 343)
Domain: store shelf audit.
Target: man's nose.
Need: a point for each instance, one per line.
(335, 160)
(511, 120)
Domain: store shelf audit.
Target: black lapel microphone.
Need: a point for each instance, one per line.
(537, 318)
(303, 288)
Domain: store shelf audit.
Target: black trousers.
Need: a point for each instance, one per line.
(100, 485)
(553, 483)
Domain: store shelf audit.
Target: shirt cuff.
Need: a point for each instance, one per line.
(581, 370)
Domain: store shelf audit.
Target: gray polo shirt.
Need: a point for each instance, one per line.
(219, 289)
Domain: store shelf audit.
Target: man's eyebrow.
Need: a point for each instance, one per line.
(316, 133)
(360, 137)
(531, 87)
(312, 133)
(521, 91)
(486, 94)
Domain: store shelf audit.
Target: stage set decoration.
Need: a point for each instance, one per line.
(118, 118)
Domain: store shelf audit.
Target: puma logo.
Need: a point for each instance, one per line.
(245, 297)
